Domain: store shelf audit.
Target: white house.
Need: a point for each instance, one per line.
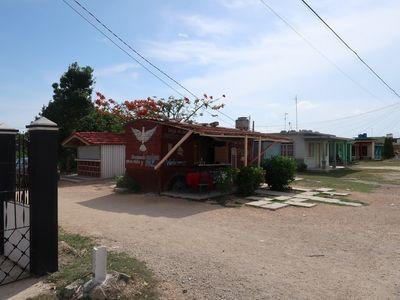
(318, 150)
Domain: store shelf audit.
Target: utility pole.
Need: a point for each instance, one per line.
(285, 119)
(297, 125)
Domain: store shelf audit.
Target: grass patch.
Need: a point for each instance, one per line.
(378, 163)
(348, 179)
(75, 263)
(316, 180)
(354, 177)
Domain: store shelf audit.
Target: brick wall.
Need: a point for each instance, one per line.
(88, 168)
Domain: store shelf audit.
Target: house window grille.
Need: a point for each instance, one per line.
(287, 150)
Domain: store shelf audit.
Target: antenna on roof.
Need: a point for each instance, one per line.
(285, 119)
(297, 127)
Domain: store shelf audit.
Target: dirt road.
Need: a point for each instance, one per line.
(204, 251)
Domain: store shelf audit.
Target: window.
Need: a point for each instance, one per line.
(287, 150)
(310, 149)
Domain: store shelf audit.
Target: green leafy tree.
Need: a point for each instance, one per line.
(98, 121)
(388, 149)
(71, 102)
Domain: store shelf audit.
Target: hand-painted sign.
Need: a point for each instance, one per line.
(143, 136)
(143, 160)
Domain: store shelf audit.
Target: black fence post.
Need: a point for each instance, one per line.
(43, 196)
(7, 172)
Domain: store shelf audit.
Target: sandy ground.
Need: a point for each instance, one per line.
(205, 251)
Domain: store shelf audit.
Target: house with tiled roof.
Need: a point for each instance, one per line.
(163, 155)
(99, 154)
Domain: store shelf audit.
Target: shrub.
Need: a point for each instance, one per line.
(279, 172)
(126, 182)
(249, 179)
(225, 179)
(301, 167)
(388, 149)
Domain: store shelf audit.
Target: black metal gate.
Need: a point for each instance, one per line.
(15, 225)
(28, 201)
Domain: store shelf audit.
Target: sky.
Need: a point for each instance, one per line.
(236, 48)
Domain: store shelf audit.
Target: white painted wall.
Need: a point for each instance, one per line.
(112, 160)
(299, 149)
(15, 235)
(89, 152)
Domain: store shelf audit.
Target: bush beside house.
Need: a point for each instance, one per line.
(249, 179)
(279, 172)
(388, 149)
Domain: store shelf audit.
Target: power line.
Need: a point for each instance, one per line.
(131, 48)
(351, 49)
(319, 51)
(122, 49)
(393, 105)
(135, 51)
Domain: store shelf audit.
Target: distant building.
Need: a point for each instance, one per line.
(367, 148)
(317, 150)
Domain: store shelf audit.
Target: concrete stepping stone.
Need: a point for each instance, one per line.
(301, 204)
(324, 189)
(310, 193)
(322, 199)
(258, 203)
(255, 198)
(297, 199)
(301, 189)
(283, 198)
(274, 206)
(307, 197)
(354, 204)
(273, 193)
(335, 194)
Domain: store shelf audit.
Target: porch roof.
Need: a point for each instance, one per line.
(223, 132)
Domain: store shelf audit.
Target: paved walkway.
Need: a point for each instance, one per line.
(274, 200)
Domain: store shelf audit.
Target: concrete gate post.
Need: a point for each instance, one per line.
(43, 196)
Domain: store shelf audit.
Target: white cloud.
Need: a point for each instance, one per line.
(183, 35)
(238, 4)
(115, 69)
(305, 105)
(203, 26)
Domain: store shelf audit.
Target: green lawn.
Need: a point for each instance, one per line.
(353, 178)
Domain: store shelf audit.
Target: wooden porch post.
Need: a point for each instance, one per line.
(259, 151)
(184, 138)
(245, 150)
(334, 155)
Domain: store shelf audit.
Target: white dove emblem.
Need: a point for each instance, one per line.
(143, 136)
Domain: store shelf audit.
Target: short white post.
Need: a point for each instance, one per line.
(99, 263)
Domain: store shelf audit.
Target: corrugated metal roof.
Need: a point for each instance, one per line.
(97, 138)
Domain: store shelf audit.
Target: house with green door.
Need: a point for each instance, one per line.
(319, 151)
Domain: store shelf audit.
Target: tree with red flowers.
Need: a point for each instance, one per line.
(177, 109)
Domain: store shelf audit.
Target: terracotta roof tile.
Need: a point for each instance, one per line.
(98, 138)
(206, 129)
